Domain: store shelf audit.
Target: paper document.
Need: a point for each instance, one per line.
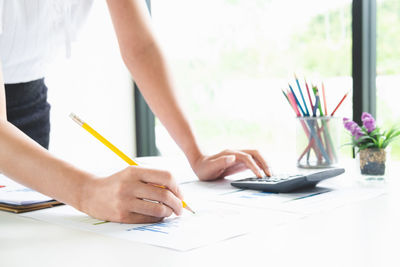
(259, 199)
(307, 201)
(212, 222)
(13, 193)
(335, 198)
(208, 190)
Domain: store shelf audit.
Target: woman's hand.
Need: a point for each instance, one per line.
(129, 196)
(229, 162)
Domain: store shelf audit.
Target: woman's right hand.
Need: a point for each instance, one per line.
(128, 196)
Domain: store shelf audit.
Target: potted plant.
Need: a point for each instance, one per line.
(371, 142)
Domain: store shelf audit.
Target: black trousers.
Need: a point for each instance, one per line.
(28, 110)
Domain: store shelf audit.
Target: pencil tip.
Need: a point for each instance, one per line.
(189, 209)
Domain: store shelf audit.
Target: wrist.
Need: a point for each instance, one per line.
(193, 156)
(85, 192)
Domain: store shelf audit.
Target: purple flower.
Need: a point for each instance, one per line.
(368, 121)
(347, 123)
(356, 131)
(352, 127)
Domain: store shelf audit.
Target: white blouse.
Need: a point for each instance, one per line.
(32, 30)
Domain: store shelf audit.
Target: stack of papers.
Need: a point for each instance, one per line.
(17, 198)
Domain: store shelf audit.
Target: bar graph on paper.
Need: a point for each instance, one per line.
(208, 225)
(161, 227)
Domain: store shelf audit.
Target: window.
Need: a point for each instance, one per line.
(388, 66)
(231, 58)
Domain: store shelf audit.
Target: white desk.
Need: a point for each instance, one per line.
(361, 234)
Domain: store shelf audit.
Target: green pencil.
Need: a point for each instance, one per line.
(315, 90)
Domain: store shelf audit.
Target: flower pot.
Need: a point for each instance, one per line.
(372, 161)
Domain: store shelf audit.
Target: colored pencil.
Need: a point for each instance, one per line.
(316, 105)
(113, 148)
(309, 95)
(297, 101)
(285, 95)
(102, 140)
(323, 94)
(328, 139)
(292, 102)
(302, 96)
(338, 105)
(314, 134)
(326, 135)
(315, 89)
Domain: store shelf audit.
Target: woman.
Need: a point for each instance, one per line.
(29, 30)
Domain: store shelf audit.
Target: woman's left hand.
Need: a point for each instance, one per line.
(228, 162)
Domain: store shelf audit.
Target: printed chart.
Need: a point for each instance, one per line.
(213, 222)
(304, 202)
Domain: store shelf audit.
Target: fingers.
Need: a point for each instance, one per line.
(220, 164)
(149, 208)
(252, 159)
(132, 217)
(260, 161)
(139, 211)
(159, 177)
(131, 196)
(250, 163)
(164, 196)
(235, 169)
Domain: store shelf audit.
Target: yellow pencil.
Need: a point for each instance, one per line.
(114, 149)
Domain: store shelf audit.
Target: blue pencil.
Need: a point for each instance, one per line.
(302, 96)
(316, 105)
(297, 101)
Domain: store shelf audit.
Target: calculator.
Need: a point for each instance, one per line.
(287, 182)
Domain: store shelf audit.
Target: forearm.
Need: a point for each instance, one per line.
(30, 164)
(3, 115)
(152, 76)
(146, 63)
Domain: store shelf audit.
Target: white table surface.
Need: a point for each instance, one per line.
(365, 233)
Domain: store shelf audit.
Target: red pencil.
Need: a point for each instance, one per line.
(341, 101)
(309, 96)
(323, 94)
(293, 103)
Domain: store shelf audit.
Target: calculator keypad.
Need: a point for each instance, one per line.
(282, 183)
(272, 179)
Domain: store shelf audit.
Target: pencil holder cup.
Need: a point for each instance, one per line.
(317, 140)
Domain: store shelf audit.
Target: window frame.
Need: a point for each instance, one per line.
(364, 57)
(144, 122)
